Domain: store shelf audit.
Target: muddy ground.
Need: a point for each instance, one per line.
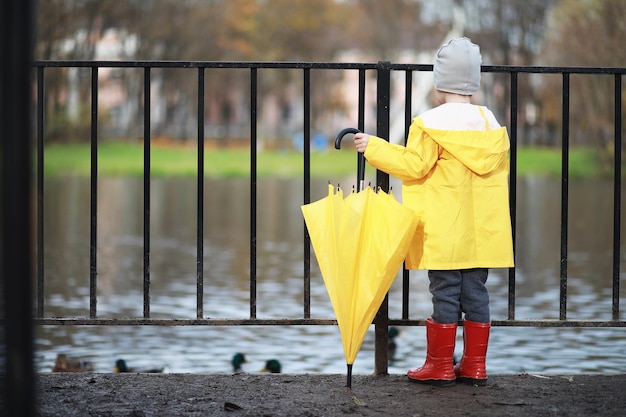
(292, 395)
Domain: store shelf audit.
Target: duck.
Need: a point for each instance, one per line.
(238, 360)
(64, 363)
(121, 367)
(272, 366)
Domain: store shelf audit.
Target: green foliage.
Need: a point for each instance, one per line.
(118, 159)
(583, 162)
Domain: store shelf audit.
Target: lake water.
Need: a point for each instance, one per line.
(301, 349)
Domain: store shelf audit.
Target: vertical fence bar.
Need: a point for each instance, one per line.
(381, 321)
(307, 190)
(253, 185)
(617, 194)
(408, 102)
(93, 221)
(200, 203)
(360, 162)
(40, 192)
(408, 110)
(383, 100)
(513, 186)
(361, 115)
(564, 198)
(146, 192)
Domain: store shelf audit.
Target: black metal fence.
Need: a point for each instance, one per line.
(383, 72)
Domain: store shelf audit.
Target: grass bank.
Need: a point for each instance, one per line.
(125, 159)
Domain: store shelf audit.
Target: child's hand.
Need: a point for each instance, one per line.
(360, 141)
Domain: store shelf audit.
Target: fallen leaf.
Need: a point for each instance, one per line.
(228, 406)
(357, 400)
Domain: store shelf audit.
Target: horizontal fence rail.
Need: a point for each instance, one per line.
(383, 90)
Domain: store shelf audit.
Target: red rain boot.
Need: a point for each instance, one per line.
(471, 369)
(437, 370)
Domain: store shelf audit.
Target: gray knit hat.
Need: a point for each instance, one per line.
(457, 67)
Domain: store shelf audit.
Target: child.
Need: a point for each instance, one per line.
(454, 171)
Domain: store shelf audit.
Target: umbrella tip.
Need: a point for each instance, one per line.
(349, 377)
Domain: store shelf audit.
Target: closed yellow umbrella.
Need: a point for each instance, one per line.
(360, 243)
(330, 223)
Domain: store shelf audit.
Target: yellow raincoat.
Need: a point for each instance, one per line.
(454, 171)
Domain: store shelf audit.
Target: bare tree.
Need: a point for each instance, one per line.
(384, 28)
(509, 32)
(586, 33)
(70, 29)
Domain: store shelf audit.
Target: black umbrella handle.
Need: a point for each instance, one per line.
(360, 156)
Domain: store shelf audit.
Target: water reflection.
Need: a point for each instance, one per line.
(279, 270)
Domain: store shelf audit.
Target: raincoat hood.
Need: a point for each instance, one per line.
(477, 142)
(481, 152)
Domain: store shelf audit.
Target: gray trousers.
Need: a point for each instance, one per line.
(457, 292)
